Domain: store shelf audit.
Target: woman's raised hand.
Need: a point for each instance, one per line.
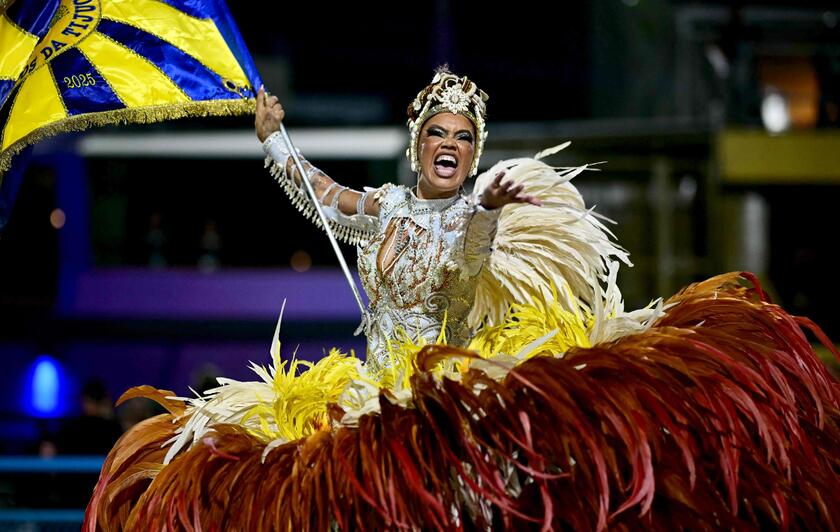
(498, 194)
(270, 115)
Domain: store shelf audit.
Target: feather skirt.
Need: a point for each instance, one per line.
(718, 416)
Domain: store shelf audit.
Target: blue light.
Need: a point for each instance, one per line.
(45, 387)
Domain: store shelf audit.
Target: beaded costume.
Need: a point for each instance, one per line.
(440, 246)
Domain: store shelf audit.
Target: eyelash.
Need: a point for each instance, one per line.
(439, 133)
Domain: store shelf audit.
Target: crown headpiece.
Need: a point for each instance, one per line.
(447, 93)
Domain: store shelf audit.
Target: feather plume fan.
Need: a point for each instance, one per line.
(718, 416)
(537, 249)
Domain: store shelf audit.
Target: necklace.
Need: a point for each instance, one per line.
(417, 205)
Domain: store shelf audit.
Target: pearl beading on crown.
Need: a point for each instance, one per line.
(453, 94)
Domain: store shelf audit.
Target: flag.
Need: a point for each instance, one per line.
(73, 64)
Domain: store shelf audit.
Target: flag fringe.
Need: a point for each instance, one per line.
(139, 115)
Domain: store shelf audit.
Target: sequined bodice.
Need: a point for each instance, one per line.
(414, 270)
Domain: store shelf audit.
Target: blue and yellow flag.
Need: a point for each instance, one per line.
(73, 64)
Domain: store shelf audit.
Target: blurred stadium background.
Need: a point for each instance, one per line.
(162, 254)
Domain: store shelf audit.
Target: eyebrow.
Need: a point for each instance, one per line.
(447, 131)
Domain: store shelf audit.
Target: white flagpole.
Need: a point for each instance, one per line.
(327, 228)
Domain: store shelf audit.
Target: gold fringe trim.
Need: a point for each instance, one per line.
(134, 115)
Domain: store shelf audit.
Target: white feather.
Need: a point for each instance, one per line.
(539, 249)
(552, 151)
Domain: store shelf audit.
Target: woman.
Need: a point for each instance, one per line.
(709, 412)
(420, 249)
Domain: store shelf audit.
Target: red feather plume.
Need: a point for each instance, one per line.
(718, 417)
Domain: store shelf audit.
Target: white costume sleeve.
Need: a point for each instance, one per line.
(352, 229)
(478, 242)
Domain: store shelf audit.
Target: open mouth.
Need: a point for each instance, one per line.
(445, 165)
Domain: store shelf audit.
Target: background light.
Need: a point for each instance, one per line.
(45, 388)
(57, 218)
(301, 261)
(775, 112)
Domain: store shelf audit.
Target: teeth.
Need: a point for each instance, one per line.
(447, 158)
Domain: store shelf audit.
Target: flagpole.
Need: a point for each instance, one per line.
(309, 190)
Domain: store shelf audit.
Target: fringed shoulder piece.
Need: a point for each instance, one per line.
(354, 229)
(389, 197)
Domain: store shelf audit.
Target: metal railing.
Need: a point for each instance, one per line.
(45, 519)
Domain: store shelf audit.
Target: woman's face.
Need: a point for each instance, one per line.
(445, 148)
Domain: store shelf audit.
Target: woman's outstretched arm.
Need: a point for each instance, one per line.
(269, 116)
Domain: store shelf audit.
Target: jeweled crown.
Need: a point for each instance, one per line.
(447, 93)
